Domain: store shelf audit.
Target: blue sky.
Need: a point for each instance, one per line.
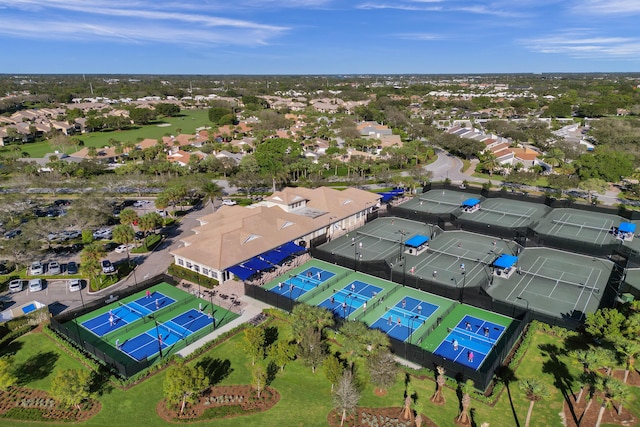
(319, 36)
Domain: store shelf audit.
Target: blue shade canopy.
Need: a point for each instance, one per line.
(274, 256)
(505, 261)
(470, 202)
(241, 272)
(416, 241)
(290, 248)
(257, 264)
(386, 197)
(627, 227)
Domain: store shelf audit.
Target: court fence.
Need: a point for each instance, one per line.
(80, 341)
(524, 236)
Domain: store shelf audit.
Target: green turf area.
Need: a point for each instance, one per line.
(306, 397)
(187, 122)
(183, 302)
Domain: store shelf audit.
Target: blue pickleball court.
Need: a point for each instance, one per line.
(474, 338)
(127, 313)
(403, 319)
(165, 334)
(296, 286)
(345, 301)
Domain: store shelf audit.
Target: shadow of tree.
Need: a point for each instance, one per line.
(99, 382)
(562, 377)
(270, 336)
(507, 376)
(215, 369)
(11, 349)
(36, 367)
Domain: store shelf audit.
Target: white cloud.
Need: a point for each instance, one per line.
(419, 36)
(608, 7)
(79, 31)
(580, 44)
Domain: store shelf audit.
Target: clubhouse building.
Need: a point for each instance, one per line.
(243, 241)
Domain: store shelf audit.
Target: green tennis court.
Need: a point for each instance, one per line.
(506, 213)
(161, 319)
(457, 259)
(437, 201)
(379, 239)
(592, 227)
(555, 282)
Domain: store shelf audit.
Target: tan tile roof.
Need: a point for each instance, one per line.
(525, 154)
(234, 234)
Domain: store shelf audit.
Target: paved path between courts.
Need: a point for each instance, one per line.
(252, 309)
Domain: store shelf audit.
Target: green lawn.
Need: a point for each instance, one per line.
(187, 123)
(306, 398)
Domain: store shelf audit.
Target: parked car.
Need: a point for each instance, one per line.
(123, 248)
(75, 285)
(35, 285)
(36, 268)
(17, 285)
(139, 235)
(107, 267)
(72, 267)
(3, 268)
(229, 202)
(104, 234)
(53, 268)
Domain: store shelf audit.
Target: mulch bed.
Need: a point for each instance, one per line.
(20, 403)
(221, 402)
(610, 414)
(370, 417)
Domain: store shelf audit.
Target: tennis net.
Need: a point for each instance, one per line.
(134, 311)
(473, 336)
(181, 333)
(504, 213)
(581, 226)
(559, 280)
(406, 313)
(485, 258)
(386, 239)
(441, 202)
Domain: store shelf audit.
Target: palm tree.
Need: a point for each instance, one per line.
(438, 397)
(465, 388)
(587, 358)
(555, 157)
(211, 191)
(629, 350)
(611, 390)
(534, 390)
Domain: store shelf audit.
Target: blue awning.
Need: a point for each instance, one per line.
(290, 248)
(241, 272)
(416, 241)
(386, 197)
(627, 227)
(274, 256)
(471, 202)
(257, 264)
(397, 191)
(505, 261)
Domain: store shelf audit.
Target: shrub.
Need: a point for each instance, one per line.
(192, 276)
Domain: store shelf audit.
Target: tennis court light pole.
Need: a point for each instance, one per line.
(158, 334)
(411, 320)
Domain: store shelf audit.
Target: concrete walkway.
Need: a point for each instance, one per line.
(252, 308)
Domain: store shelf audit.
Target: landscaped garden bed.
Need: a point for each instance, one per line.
(221, 402)
(24, 404)
(377, 417)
